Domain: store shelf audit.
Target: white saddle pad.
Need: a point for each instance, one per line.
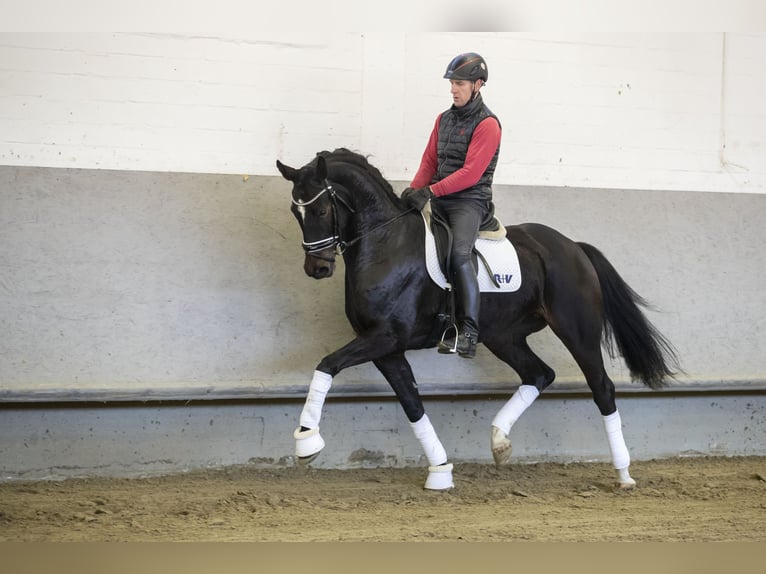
(499, 254)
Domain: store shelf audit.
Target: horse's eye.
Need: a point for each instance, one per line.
(322, 213)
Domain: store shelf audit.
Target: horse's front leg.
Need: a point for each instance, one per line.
(396, 369)
(308, 441)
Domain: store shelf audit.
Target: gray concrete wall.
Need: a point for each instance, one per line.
(139, 285)
(53, 442)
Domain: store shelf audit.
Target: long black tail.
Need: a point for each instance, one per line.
(649, 356)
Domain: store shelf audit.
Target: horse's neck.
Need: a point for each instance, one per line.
(372, 206)
(378, 224)
(398, 236)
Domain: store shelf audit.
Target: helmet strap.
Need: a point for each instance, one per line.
(474, 91)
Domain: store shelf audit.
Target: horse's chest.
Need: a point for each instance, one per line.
(370, 298)
(369, 295)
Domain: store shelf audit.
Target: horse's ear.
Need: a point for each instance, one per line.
(289, 173)
(321, 168)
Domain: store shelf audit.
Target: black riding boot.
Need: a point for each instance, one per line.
(466, 287)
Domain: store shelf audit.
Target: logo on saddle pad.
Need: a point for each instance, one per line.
(499, 270)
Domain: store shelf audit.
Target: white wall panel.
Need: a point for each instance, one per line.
(173, 103)
(644, 111)
(744, 131)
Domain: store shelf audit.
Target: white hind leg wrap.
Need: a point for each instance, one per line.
(620, 455)
(432, 446)
(312, 409)
(521, 400)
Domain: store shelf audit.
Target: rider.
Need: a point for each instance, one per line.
(456, 173)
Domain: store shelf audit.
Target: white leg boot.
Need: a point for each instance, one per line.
(521, 400)
(439, 472)
(620, 455)
(309, 443)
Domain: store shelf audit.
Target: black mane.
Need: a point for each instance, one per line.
(346, 156)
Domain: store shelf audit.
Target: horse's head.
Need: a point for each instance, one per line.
(315, 209)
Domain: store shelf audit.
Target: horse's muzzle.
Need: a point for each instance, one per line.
(319, 265)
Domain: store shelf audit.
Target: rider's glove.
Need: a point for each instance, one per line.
(417, 198)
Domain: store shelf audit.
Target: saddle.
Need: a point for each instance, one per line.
(491, 251)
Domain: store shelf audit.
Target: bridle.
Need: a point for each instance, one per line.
(335, 240)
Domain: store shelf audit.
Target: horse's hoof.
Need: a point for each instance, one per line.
(501, 447)
(624, 480)
(439, 477)
(308, 444)
(306, 460)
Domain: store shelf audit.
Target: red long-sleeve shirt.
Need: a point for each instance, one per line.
(481, 149)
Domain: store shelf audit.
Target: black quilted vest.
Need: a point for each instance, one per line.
(456, 128)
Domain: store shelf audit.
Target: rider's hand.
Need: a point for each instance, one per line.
(417, 198)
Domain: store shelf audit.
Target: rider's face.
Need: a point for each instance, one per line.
(461, 91)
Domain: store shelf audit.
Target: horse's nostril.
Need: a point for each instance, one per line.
(322, 272)
(319, 270)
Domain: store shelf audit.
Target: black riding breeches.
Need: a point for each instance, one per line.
(465, 217)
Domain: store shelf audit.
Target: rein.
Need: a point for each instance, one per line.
(336, 240)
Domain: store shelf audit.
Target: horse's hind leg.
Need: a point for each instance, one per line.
(398, 373)
(603, 395)
(535, 377)
(581, 334)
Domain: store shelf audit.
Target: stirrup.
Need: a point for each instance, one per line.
(445, 348)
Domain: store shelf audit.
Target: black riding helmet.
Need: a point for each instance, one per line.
(469, 66)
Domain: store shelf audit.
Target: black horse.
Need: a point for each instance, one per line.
(345, 206)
